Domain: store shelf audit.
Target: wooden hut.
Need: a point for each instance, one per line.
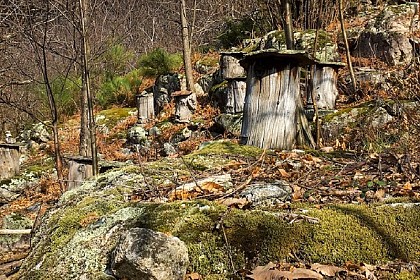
(80, 169)
(185, 105)
(9, 160)
(324, 85)
(145, 107)
(235, 74)
(273, 109)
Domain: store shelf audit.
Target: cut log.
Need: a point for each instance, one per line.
(185, 105)
(235, 96)
(15, 231)
(324, 85)
(9, 160)
(272, 102)
(145, 107)
(80, 168)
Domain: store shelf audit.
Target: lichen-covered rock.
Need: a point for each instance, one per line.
(267, 194)
(38, 133)
(149, 255)
(228, 123)
(77, 237)
(137, 135)
(386, 36)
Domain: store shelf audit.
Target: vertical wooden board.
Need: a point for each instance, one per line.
(9, 162)
(146, 108)
(324, 86)
(270, 107)
(239, 95)
(78, 173)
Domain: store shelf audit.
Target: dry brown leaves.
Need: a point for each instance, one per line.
(317, 271)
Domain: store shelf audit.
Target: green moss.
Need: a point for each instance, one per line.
(112, 116)
(68, 221)
(218, 87)
(344, 233)
(227, 148)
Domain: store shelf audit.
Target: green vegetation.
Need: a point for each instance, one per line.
(158, 62)
(66, 92)
(120, 90)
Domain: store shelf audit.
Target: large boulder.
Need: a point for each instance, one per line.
(387, 36)
(146, 254)
(165, 85)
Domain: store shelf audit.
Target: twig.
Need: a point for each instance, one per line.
(218, 226)
(248, 180)
(15, 231)
(191, 173)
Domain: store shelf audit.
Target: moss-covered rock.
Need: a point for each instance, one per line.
(77, 237)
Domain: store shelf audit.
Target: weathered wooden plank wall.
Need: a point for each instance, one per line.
(324, 86)
(145, 107)
(79, 171)
(9, 160)
(235, 96)
(270, 110)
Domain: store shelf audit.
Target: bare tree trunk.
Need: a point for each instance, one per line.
(186, 45)
(86, 86)
(346, 43)
(53, 110)
(288, 25)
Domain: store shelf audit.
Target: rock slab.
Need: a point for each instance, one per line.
(146, 254)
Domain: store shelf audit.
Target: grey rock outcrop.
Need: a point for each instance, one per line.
(146, 254)
(386, 36)
(137, 135)
(38, 133)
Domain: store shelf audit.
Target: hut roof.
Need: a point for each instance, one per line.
(331, 64)
(181, 93)
(298, 57)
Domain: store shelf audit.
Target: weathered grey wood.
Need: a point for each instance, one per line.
(235, 96)
(230, 66)
(80, 169)
(15, 231)
(9, 160)
(272, 110)
(185, 105)
(324, 85)
(145, 107)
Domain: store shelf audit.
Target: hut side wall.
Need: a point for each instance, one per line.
(324, 87)
(146, 110)
(9, 162)
(78, 173)
(235, 95)
(270, 115)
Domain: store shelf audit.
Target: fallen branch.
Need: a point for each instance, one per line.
(15, 231)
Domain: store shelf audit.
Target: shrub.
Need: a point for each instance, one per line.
(119, 90)
(116, 60)
(66, 91)
(158, 62)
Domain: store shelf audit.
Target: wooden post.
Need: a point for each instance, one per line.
(80, 169)
(324, 84)
(235, 96)
(272, 102)
(9, 160)
(145, 107)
